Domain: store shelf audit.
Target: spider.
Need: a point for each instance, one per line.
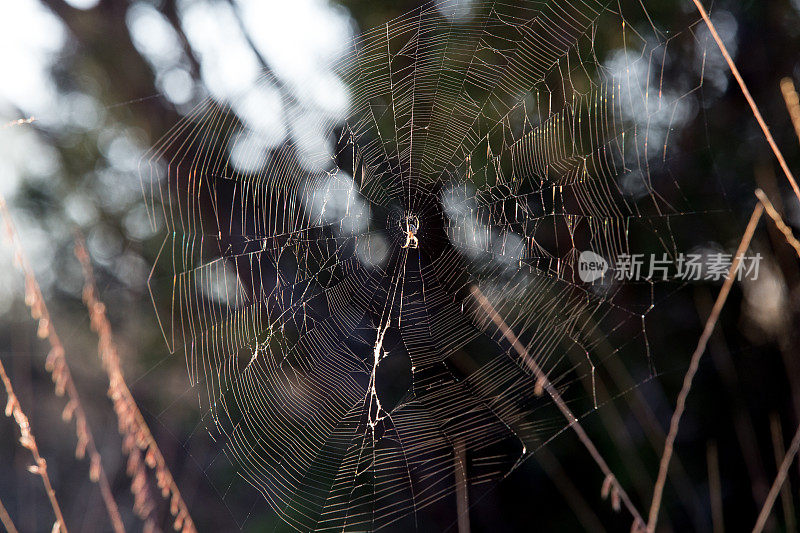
(410, 226)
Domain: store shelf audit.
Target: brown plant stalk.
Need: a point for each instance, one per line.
(783, 471)
(780, 456)
(138, 441)
(792, 103)
(711, 323)
(749, 98)
(793, 242)
(5, 519)
(715, 488)
(611, 486)
(28, 441)
(56, 365)
(778, 221)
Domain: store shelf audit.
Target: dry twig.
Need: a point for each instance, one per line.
(792, 103)
(780, 455)
(749, 98)
(5, 519)
(711, 323)
(779, 223)
(715, 488)
(28, 441)
(783, 471)
(138, 442)
(56, 365)
(611, 486)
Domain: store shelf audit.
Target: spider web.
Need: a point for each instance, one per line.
(322, 283)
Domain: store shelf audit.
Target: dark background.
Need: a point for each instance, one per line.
(100, 95)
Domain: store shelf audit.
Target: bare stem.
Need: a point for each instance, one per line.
(5, 519)
(543, 383)
(780, 455)
(28, 441)
(658, 490)
(779, 223)
(60, 372)
(778, 483)
(715, 488)
(749, 98)
(792, 103)
(138, 440)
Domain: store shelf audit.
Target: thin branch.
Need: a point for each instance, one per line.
(138, 441)
(265, 65)
(28, 441)
(59, 370)
(715, 488)
(749, 98)
(785, 256)
(778, 220)
(792, 103)
(780, 455)
(646, 417)
(611, 485)
(5, 519)
(170, 11)
(778, 483)
(742, 421)
(744, 244)
(616, 428)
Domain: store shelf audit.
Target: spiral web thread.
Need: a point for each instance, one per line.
(350, 374)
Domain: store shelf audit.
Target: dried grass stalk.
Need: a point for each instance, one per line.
(5, 519)
(791, 240)
(56, 365)
(138, 443)
(780, 479)
(28, 441)
(792, 103)
(611, 486)
(694, 365)
(750, 101)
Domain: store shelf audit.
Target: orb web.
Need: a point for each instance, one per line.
(322, 282)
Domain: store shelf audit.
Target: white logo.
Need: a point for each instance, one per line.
(591, 266)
